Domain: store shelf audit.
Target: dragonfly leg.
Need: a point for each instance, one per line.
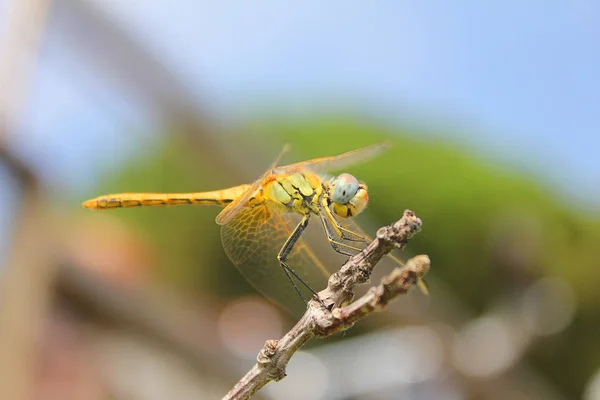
(340, 231)
(285, 252)
(355, 237)
(339, 247)
(287, 273)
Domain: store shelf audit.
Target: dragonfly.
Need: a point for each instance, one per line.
(265, 224)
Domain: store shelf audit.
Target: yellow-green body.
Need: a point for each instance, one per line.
(298, 192)
(259, 229)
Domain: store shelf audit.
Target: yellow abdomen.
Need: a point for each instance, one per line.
(124, 200)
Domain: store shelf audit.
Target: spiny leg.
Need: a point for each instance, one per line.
(285, 252)
(340, 231)
(285, 270)
(357, 237)
(339, 247)
(289, 269)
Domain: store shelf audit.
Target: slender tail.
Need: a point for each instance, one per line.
(126, 200)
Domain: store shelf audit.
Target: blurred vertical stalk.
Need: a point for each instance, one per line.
(20, 35)
(25, 289)
(25, 282)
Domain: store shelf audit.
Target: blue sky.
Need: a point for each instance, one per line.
(520, 79)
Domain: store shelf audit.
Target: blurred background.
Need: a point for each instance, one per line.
(492, 108)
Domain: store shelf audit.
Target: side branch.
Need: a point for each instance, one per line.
(320, 321)
(391, 286)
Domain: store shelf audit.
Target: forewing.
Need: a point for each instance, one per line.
(229, 212)
(339, 162)
(253, 239)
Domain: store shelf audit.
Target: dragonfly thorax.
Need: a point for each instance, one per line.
(298, 192)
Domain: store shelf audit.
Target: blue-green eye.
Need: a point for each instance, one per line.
(345, 188)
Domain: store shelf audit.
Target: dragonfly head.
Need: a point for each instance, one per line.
(349, 196)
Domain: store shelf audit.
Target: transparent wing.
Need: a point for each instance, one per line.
(229, 212)
(339, 162)
(252, 240)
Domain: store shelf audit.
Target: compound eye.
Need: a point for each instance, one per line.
(345, 188)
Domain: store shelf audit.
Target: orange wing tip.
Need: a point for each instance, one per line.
(222, 219)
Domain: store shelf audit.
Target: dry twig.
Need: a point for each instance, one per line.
(320, 322)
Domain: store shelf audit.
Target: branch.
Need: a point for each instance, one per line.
(320, 322)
